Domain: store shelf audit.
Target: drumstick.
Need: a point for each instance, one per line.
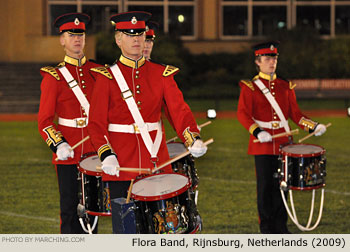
(313, 133)
(142, 170)
(293, 132)
(129, 192)
(77, 144)
(184, 154)
(200, 126)
(204, 124)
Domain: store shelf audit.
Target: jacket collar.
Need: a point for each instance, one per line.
(267, 76)
(132, 63)
(74, 61)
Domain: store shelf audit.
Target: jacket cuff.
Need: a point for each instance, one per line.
(256, 132)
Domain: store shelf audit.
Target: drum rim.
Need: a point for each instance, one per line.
(302, 155)
(94, 213)
(307, 188)
(90, 173)
(163, 196)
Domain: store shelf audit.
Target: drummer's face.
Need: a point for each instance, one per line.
(267, 64)
(131, 45)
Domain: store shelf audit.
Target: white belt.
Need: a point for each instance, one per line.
(269, 125)
(81, 122)
(131, 128)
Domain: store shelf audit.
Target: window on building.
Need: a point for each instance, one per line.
(235, 20)
(241, 19)
(174, 16)
(253, 18)
(342, 20)
(317, 17)
(267, 19)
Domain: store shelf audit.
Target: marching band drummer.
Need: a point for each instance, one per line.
(69, 100)
(125, 115)
(150, 36)
(265, 104)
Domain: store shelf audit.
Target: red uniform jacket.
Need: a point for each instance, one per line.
(153, 86)
(57, 99)
(253, 104)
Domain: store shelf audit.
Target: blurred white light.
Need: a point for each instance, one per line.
(211, 113)
(281, 24)
(181, 18)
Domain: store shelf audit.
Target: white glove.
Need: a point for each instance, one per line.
(198, 148)
(320, 129)
(110, 165)
(264, 137)
(64, 151)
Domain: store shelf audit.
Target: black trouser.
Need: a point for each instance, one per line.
(68, 186)
(118, 189)
(272, 213)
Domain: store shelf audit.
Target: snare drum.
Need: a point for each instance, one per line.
(184, 165)
(94, 192)
(163, 205)
(303, 166)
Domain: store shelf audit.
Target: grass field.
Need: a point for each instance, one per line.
(29, 200)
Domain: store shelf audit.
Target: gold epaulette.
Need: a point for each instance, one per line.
(169, 70)
(51, 70)
(61, 64)
(292, 85)
(248, 84)
(103, 71)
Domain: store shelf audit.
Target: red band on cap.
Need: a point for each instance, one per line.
(126, 25)
(150, 32)
(72, 25)
(265, 51)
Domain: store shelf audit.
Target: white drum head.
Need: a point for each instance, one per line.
(88, 165)
(176, 149)
(160, 186)
(302, 149)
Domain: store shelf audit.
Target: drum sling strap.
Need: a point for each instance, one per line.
(273, 103)
(73, 84)
(127, 96)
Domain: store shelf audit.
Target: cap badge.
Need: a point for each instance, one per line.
(76, 21)
(147, 28)
(272, 48)
(133, 20)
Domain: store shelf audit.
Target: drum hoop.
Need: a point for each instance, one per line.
(163, 196)
(90, 173)
(98, 213)
(309, 188)
(303, 155)
(196, 229)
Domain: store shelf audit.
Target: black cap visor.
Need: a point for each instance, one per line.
(132, 32)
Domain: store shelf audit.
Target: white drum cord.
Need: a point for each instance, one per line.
(88, 229)
(196, 197)
(294, 217)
